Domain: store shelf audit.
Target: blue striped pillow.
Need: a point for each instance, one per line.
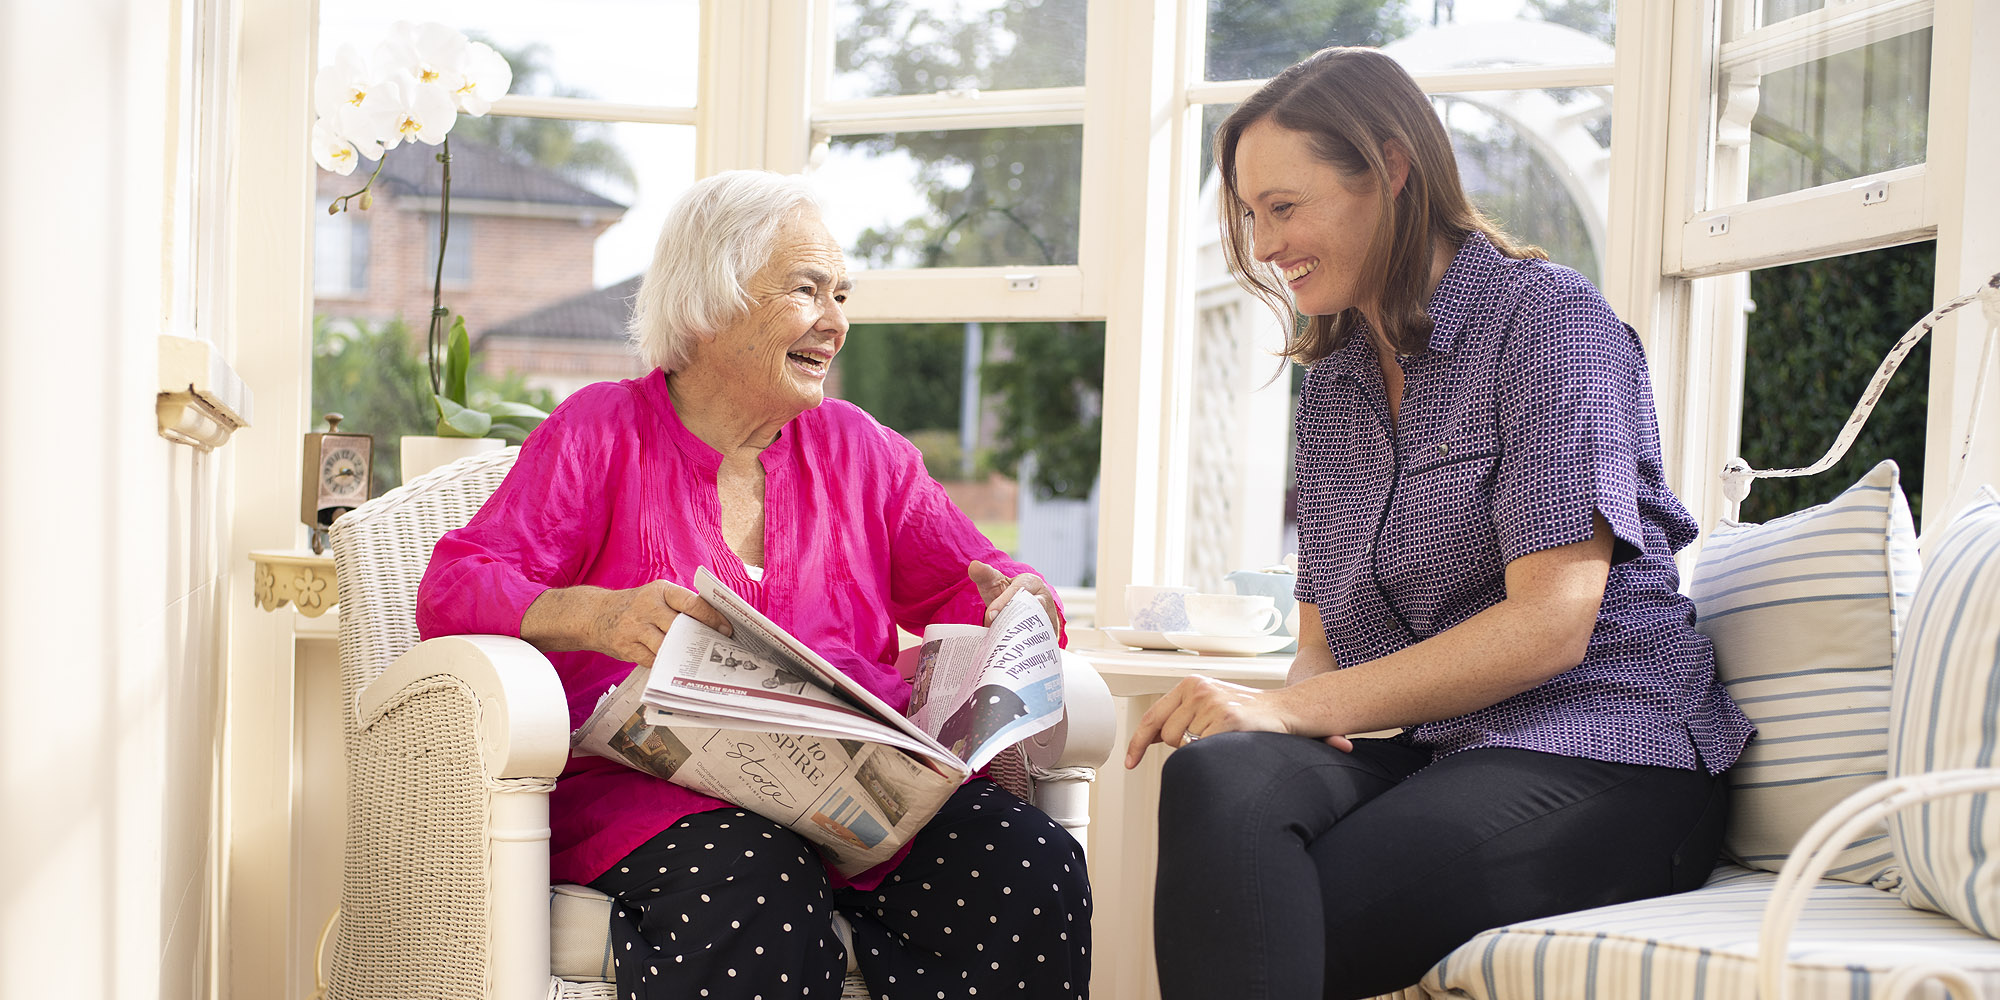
(1805, 612)
(1946, 714)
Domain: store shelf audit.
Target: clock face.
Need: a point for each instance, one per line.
(343, 474)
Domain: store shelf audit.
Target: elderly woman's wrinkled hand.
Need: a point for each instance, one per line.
(997, 588)
(625, 624)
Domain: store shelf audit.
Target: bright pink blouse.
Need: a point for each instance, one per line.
(613, 491)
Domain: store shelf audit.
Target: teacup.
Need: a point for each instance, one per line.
(1157, 609)
(1233, 614)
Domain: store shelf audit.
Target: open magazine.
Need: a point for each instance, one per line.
(760, 720)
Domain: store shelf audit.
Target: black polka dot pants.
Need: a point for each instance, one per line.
(723, 904)
(992, 901)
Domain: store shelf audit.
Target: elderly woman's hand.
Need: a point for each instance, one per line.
(625, 625)
(997, 588)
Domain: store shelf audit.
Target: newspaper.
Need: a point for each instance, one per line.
(758, 719)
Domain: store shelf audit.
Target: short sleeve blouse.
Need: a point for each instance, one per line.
(1530, 411)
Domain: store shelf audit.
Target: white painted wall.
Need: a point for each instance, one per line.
(110, 538)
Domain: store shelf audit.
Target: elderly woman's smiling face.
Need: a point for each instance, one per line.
(775, 357)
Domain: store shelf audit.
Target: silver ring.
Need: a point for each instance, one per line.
(1187, 738)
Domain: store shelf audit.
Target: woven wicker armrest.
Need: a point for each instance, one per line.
(456, 746)
(523, 714)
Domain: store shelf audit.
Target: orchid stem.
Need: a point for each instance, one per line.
(340, 203)
(438, 312)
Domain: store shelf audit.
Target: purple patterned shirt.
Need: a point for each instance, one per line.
(1530, 410)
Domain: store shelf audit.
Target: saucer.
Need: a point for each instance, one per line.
(1229, 645)
(1140, 638)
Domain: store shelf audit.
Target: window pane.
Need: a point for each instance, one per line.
(1773, 11)
(1845, 116)
(632, 51)
(1255, 39)
(1537, 162)
(965, 198)
(551, 223)
(890, 47)
(1816, 332)
(1022, 459)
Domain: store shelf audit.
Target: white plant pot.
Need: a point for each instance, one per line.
(422, 453)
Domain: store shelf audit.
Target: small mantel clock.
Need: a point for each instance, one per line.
(339, 469)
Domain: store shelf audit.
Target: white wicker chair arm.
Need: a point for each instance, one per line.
(523, 714)
(1824, 841)
(1083, 738)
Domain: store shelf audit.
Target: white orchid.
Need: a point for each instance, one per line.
(485, 76)
(420, 112)
(331, 151)
(352, 103)
(432, 53)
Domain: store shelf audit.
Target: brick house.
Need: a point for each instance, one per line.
(522, 237)
(567, 344)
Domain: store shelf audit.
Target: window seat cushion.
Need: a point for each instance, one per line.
(1704, 943)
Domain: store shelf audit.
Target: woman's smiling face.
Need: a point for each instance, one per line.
(777, 354)
(1314, 224)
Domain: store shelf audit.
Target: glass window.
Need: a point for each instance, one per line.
(1256, 39)
(886, 48)
(1537, 162)
(552, 220)
(1013, 434)
(1848, 115)
(457, 249)
(340, 252)
(1816, 332)
(963, 198)
(633, 51)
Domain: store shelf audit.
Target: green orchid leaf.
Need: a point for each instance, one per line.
(514, 412)
(460, 421)
(512, 434)
(457, 361)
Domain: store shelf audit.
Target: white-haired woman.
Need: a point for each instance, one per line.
(728, 456)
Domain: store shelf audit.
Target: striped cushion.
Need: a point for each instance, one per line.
(1946, 714)
(1805, 612)
(1704, 944)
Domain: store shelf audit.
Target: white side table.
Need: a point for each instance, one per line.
(1124, 813)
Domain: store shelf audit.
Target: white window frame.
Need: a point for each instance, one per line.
(1694, 330)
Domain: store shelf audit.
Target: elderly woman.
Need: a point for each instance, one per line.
(1486, 547)
(728, 456)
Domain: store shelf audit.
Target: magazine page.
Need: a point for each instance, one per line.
(755, 631)
(700, 669)
(947, 671)
(1013, 690)
(858, 801)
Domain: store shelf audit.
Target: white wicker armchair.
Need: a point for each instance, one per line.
(452, 747)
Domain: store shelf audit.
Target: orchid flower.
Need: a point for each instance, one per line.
(331, 151)
(432, 53)
(353, 103)
(422, 113)
(485, 76)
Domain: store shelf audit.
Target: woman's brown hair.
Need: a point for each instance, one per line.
(1353, 104)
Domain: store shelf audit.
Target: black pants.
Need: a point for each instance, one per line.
(993, 900)
(1289, 869)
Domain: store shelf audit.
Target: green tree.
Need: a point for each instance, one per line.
(1818, 332)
